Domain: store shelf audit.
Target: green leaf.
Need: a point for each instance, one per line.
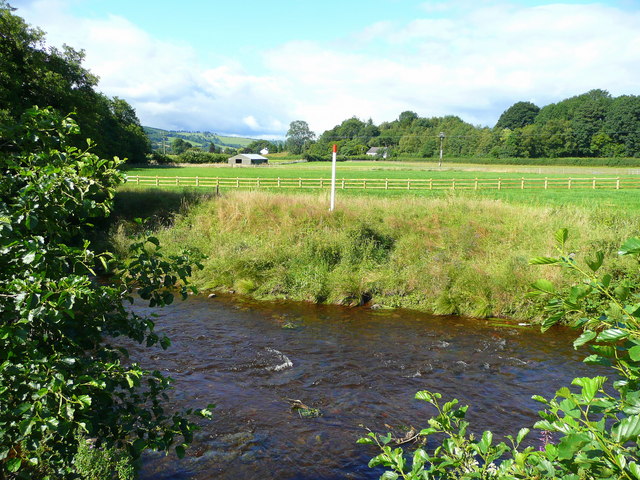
(590, 386)
(612, 335)
(630, 247)
(389, 475)
(571, 444)
(544, 261)
(627, 429)
(13, 465)
(485, 442)
(29, 258)
(586, 337)
(521, 434)
(180, 451)
(595, 264)
(634, 353)
(561, 237)
(427, 396)
(545, 286)
(634, 469)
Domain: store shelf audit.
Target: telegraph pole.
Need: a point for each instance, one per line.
(441, 140)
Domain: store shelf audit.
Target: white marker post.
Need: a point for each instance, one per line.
(333, 178)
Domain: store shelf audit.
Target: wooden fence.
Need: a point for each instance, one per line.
(616, 183)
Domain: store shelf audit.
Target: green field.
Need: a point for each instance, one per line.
(600, 198)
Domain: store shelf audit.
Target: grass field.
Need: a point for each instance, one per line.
(623, 199)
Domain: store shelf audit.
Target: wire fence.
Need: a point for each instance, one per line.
(594, 183)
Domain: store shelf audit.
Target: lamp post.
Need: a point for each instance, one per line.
(441, 140)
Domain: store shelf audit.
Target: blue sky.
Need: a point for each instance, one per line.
(252, 67)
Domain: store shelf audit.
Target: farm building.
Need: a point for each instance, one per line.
(377, 152)
(248, 159)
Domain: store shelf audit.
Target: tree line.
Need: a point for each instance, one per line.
(593, 124)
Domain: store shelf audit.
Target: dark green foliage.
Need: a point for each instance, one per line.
(62, 376)
(195, 155)
(518, 115)
(32, 74)
(589, 125)
(257, 145)
(179, 146)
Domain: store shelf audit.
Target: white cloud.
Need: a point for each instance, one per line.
(466, 58)
(473, 65)
(164, 81)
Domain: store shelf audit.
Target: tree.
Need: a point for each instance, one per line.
(179, 146)
(623, 124)
(299, 136)
(518, 115)
(33, 74)
(62, 378)
(258, 145)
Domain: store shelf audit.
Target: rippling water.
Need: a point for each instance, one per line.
(360, 367)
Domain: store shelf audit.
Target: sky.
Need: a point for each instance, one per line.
(250, 67)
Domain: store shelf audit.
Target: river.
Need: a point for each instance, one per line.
(361, 368)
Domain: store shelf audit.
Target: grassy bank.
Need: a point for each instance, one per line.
(443, 255)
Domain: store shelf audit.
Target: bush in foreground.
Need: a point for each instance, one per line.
(62, 379)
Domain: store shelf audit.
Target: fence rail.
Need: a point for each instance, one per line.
(594, 183)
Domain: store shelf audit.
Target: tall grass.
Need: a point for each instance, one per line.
(447, 255)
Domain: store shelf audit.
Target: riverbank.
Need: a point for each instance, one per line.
(450, 255)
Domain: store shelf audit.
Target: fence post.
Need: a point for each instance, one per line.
(278, 182)
(258, 182)
(431, 184)
(546, 183)
(177, 180)
(522, 184)
(475, 185)
(237, 182)
(594, 183)
(217, 184)
(299, 182)
(364, 183)
(408, 184)
(197, 182)
(386, 184)
(569, 183)
(322, 183)
(618, 183)
(157, 183)
(137, 179)
(499, 184)
(343, 184)
(453, 184)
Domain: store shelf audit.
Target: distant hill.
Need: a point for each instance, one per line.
(197, 139)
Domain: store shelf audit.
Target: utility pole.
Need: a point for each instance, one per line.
(441, 140)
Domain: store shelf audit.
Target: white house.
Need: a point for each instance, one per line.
(377, 152)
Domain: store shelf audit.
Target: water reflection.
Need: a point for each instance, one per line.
(359, 367)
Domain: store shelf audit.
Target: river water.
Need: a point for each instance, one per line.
(359, 367)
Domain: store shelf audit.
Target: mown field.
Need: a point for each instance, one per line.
(626, 199)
